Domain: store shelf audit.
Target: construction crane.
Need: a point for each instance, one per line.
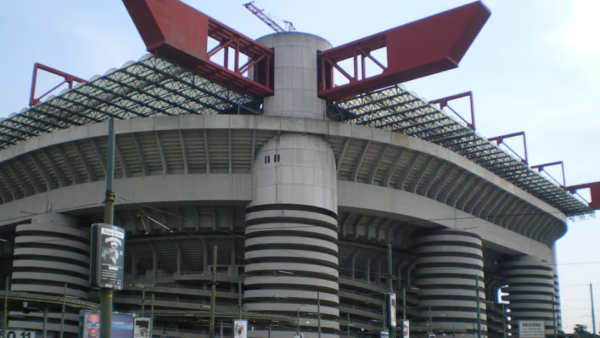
(260, 13)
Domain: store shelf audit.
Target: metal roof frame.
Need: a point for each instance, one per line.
(151, 86)
(395, 109)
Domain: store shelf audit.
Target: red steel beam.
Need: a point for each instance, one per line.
(417, 49)
(594, 193)
(500, 139)
(68, 78)
(179, 33)
(541, 167)
(443, 102)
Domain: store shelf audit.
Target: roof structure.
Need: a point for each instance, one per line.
(153, 86)
(396, 109)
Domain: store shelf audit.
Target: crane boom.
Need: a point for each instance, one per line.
(260, 13)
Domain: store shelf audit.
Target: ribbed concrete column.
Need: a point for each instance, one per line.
(531, 291)
(50, 252)
(448, 263)
(291, 248)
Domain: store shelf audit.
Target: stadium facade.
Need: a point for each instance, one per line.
(299, 194)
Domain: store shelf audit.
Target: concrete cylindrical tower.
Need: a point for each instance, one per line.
(448, 263)
(295, 76)
(531, 291)
(291, 223)
(49, 253)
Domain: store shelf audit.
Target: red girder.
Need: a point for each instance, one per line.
(180, 33)
(594, 193)
(68, 78)
(443, 102)
(540, 168)
(500, 139)
(417, 49)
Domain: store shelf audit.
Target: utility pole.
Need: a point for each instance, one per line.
(298, 322)
(392, 330)
(478, 308)
(554, 317)
(62, 316)
(213, 295)
(319, 314)
(593, 314)
(348, 327)
(504, 321)
(143, 301)
(403, 306)
(152, 314)
(239, 298)
(5, 326)
(106, 295)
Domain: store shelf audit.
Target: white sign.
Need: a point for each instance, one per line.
(18, 334)
(240, 328)
(531, 329)
(384, 334)
(405, 329)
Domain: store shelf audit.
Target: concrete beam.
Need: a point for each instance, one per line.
(20, 182)
(456, 197)
(121, 158)
(376, 165)
(50, 184)
(359, 162)
(74, 174)
(407, 171)
(340, 159)
(186, 167)
(140, 153)
(413, 186)
(161, 152)
(392, 168)
(101, 157)
(62, 180)
(34, 181)
(444, 197)
(88, 169)
(433, 194)
(427, 185)
(206, 152)
(485, 193)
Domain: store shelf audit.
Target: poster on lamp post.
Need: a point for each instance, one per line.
(107, 258)
(240, 328)
(405, 329)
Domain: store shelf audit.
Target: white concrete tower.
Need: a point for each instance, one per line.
(531, 291)
(291, 223)
(448, 263)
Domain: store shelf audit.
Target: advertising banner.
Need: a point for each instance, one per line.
(240, 328)
(405, 329)
(391, 307)
(17, 334)
(531, 329)
(384, 334)
(122, 325)
(142, 328)
(107, 256)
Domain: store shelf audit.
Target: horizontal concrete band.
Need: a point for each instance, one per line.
(55, 290)
(254, 216)
(290, 254)
(299, 241)
(35, 263)
(292, 268)
(53, 228)
(290, 280)
(287, 307)
(278, 293)
(259, 229)
(67, 243)
(52, 253)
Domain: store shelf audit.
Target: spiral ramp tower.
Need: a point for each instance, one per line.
(299, 183)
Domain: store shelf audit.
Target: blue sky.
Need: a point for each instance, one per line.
(534, 67)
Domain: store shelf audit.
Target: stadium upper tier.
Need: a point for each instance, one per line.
(155, 87)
